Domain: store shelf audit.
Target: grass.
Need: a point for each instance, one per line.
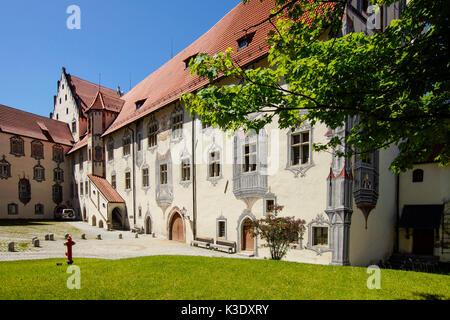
(23, 231)
(200, 278)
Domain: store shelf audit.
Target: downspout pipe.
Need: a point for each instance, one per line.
(194, 179)
(134, 174)
(397, 216)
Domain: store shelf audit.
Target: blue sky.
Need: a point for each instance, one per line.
(117, 38)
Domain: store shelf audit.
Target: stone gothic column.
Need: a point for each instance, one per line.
(340, 235)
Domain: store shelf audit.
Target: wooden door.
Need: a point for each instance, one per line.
(423, 242)
(248, 241)
(177, 233)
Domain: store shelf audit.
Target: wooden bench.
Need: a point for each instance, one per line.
(224, 245)
(203, 242)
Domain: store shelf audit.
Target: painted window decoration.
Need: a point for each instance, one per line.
(127, 180)
(37, 150)
(17, 146)
(418, 175)
(126, 145)
(113, 181)
(320, 236)
(58, 154)
(222, 229)
(24, 190)
(214, 164)
(145, 178)
(13, 209)
(39, 209)
(300, 148)
(177, 124)
(57, 193)
(98, 152)
(39, 173)
(250, 157)
(58, 175)
(153, 135)
(110, 149)
(163, 174)
(5, 169)
(185, 170)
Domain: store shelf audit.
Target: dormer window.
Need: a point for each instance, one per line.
(140, 103)
(188, 60)
(245, 41)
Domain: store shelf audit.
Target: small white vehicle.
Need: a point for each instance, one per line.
(68, 214)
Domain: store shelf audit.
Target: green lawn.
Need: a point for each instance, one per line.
(199, 278)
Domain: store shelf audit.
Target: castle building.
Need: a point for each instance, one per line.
(141, 161)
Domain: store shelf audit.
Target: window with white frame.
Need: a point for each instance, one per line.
(300, 148)
(127, 180)
(214, 164)
(153, 135)
(113, 181)
(163, 174)
(250, 156)
(145, 178)
(177, 124)
(185, 170)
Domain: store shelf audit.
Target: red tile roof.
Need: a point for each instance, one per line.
(167, 84)
(79, 145)
(15, 121)
(106, 102)
(85, 92)
(106, 189)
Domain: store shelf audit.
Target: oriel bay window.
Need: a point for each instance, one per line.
(163, 174)
(250, 158)
(300, 148)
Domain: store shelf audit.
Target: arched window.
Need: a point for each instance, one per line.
(24, 191)
(57, 194)
(17, 147)
(418, 175)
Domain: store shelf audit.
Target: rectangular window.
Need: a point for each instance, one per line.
(177, 125)
(300, 148)
(13, 209)
(113, 181)
(139, 146)
(320, 236)
(185, 170)
(86, 185)
(126, 146)
(250, 157)
(222, 229)
(127, 180)
(152, 135)
(81, 189)
(110, 152)
(74, 127)
(214, 164)
(145, 180)
(270, 206)
(163, 174)
(39, 209)
(81, 160)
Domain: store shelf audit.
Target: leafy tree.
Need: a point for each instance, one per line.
(278, 232)
(394, 83)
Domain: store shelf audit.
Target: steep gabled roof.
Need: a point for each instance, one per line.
(15, 121)
(167, 83)
(106, 102)
(85, 92)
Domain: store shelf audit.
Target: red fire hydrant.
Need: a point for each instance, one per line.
(69, 243)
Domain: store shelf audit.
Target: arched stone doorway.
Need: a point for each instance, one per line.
(248, 240)
(148, 225)
(94, 221)
(116, 221)
(176, 228)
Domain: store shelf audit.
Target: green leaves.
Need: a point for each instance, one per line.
(396, 83)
